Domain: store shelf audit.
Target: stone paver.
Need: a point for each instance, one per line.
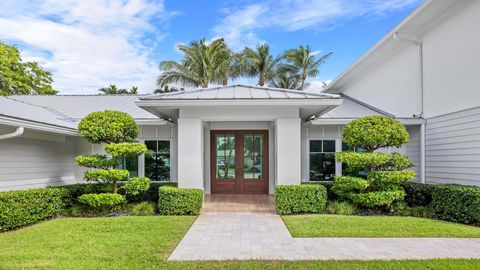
(241, 236)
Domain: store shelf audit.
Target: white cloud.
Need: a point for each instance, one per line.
(241, 25)
(88, 44)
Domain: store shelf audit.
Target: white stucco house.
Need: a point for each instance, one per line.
(248, 139)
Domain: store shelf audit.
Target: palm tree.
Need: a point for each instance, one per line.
(111, 90)
(306, 62)
(133, 90)
(201, 64)
(287, 78)
(233, 66)
(167, 89)
(260, 63)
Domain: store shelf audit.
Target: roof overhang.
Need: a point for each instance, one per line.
(17, 122)
(344, 121)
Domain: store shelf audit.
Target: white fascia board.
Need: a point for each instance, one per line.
(344, 121)
(154, 122)
(240, 102)
(37, 126)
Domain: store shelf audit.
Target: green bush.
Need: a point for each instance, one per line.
(416, 211)
(126, 149)
(95, 161)
(107, 176)
(374, 161)
(385, 180)
(179, 201)
(377, 198)
(108, 126)
(374, 132)
(417, 194)
(102, 200)
(136, 185)
(341, 208)
(331, 196)
(457, 203)
(149, 195)
(300, 199)
(143, 209)
(24, 207)
(345, 185)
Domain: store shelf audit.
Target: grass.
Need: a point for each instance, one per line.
(374, 226)
(145, 243)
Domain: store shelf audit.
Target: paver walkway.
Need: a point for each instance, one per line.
(243, 235)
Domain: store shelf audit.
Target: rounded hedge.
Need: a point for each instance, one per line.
(373, 132)
(108, 126)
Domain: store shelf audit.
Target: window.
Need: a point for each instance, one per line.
(157, 160)
(130, 164)
(322, 160)
(345, 170)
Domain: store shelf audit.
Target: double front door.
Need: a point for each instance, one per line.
(239, 161)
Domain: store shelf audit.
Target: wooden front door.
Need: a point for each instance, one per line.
(239, 161)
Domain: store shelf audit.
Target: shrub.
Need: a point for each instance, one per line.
(136, 185)
(143, 209)
(457, 203)
(378, 198)
(385, 171)
(300, 199)
(118, 130)
(149, 195)
(108, 126)
(341, 208)
(102, 200)
(331, 196)
(374, 132)
(345, 185)
(417, 194)
(179, 201)
(416, 211)
(24, 207)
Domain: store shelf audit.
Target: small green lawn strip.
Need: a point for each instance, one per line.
(374, 226)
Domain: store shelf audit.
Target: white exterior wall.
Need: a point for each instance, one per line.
(190, 153)
(412, 149)
(288, 151)
(453, 148)
(392, 84)
(451, 61)
(36, 160)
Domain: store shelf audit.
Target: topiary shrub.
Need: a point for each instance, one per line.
(117, 130)
(331, 196)
(24, 207)
(385, 171)
(143, 209)
(102, 200)
(457, 203)
(300, 199)
(179, 201)
(149, 195)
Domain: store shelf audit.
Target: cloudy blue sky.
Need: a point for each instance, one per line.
(89, 44)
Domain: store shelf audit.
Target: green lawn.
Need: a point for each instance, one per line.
(144, 243)
(374, 226)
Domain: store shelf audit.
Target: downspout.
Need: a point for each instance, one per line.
(420, 115)
(18, 132)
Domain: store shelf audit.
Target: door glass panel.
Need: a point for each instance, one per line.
(252, 156)
(225, 148)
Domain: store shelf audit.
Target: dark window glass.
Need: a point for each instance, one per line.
(157, 160)
(130, 164)
(322, 160)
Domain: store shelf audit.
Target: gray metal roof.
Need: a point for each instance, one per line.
(79, 106)
(352, 109)
(35, 113)
(238, 92)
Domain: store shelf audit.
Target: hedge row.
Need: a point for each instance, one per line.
(179, 201)
(293, 199)
(24, 207)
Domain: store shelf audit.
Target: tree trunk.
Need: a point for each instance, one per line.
(261, 80)
(114, 187)
(225, 81)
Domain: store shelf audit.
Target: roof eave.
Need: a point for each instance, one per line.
(13, 121)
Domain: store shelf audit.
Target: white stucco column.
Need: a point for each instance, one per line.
(190, 153)
(288, 151)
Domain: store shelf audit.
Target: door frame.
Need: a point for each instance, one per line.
(225, 186)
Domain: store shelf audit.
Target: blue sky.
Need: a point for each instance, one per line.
(89, 44)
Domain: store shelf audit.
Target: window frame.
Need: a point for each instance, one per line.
(338, 165)
(141, 158)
